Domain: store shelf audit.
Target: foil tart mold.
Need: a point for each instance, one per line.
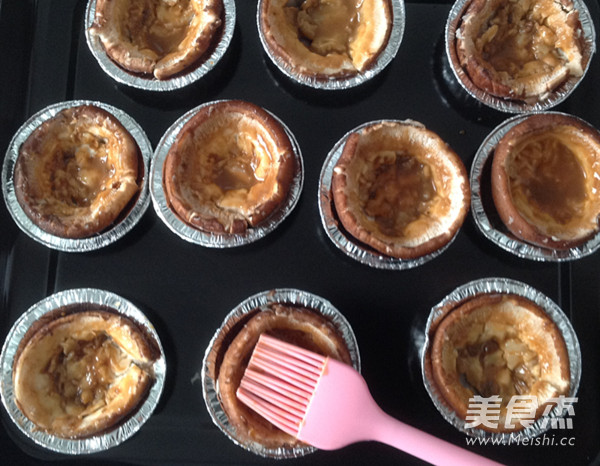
(208, 239)
(484, 213)
(99, 442)
(342, 239)
(259, 301)
(348, 82)
(91, 243)
(149, 83)
(517, 106)
(501, 285)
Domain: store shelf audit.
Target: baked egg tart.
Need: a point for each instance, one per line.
(295, 324)
(520, 50)
(159, 38)
(400, 189)
(229, 168)
(77, 172)
(498, 344)
(325, 39)
(79, 374)
(545, 182)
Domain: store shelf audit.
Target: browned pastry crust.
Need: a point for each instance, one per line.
(230, 167)
(77, 172)
(498, 344)
(326, 39)
(300, 326)
(398, 188)
(520, 50)
(157, 37)
(544, 181)
(80, 374)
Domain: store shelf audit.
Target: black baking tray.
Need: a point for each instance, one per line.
(186, 290)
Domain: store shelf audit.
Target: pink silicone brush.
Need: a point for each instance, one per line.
(327, 404)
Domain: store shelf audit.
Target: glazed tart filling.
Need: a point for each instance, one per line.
(327, 38)
(499, 345)
(230, 167)
(77, 172)
(520, 50)
(398, 188)
(157, 37)
(545, 181)
(81, 374)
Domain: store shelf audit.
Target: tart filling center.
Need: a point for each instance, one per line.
(396, 192)
(498, 362)
(328, 26)
(78, 170)
(545, 171)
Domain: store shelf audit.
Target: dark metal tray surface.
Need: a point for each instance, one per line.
(186, 290)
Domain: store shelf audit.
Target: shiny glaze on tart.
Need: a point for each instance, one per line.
(80, 374)
(398, 188)
(297, 325)
(498, 344)
(520, 50)
(324, 39)
(77, 172)
(545, 181)
(230, 168)
(157, 37)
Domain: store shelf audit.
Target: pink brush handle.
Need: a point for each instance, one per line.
(390, 431)
(343, 395)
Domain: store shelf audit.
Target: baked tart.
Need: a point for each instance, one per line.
(400, 189)
(229, 168)
(77, 172)
(324, 39)
(520, 50)
(159, 38)
(295, 324)
(499, 344)
(544, 180)
(81, 373)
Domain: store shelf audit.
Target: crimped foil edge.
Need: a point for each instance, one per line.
(515, 106)
(263, 300)
(502, 285)
(382, 61)
(346, 242)
(98, 442)
(208, 239)
(496, 231)
(91, 243)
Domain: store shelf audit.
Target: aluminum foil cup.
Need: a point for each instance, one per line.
(86, 298)
(342, 239)
(385, 57)
(74, 244)
(516, 106)
(208, 239)
(488, 221)
(149, 83)
(500, 285)
(262, 301)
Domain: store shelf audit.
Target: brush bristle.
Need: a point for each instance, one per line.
(280, 381)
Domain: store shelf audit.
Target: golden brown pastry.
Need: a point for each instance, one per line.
(80, 374)
(77, 172)
(326, 38)
(230, 168)
(544, 180)
(498, 344)
(520, 50)
(157, 37)
(297, 325)
(398, 188)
